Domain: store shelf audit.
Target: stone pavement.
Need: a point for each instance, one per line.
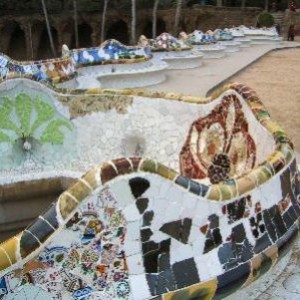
(200, 81)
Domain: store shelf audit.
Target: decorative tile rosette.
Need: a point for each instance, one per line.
(219, 146)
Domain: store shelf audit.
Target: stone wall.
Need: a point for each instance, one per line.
(25, 37)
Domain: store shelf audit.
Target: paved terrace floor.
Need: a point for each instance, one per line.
(213, 72)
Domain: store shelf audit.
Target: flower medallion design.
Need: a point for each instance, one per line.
(219, 146)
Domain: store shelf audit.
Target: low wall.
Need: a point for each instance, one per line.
(22, 202)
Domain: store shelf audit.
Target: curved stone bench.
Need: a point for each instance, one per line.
(133, 75)
(177, 60)
(264, 40)
(231, 46)
(211, 51)
(223, 212)
(244, 42)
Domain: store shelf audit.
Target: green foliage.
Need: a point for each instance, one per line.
(26, 109)
(24, 106)
(265, 19)
(5, 111)
(45, 112)
(52, 133)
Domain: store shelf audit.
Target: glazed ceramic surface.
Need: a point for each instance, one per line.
(111, 51)
(217, 211)
(51, 70)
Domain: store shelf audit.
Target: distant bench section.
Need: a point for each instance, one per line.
(114, 65)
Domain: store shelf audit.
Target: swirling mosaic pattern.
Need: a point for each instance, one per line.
(51, 71)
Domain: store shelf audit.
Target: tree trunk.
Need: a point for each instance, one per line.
(177, 17)
(154, 21)
(48, 28)
(76, 24)
(133, 22)
(266, 5)
(243, 5)
(103, 21)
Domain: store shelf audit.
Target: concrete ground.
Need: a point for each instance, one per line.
(276, 79)
(200, 81)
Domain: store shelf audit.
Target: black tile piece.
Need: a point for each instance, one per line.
(236, 210)
(147, 218)
(269, 225)
(217, 236)
(28, 244)
(213, 221)
(41, 229)
(296, 207)
(152, 283)
(246, 251)
(286, 184)
(204, 190)
(262, 243)
(292, 213)
(152, 254)
(232, 280)
(277, 221)
(138, 186)
(288, 221)
(238, 233)
(149, 247)
(165, 282)
(195, 187)
(179, 230)
(185, 273)
(164, 262)
(146, 233)
(142, 204)
(161, 283)
(51, 216)
(209, 245)
(182, 181)
(226, 256)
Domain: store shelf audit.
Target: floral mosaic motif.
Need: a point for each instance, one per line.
(53, 70)
(216, 140)
(111, 51)
(27, 123)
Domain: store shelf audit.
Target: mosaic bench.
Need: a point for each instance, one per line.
(51, 70)
(218, 212)
(262, 36)
(173, 51)
(114, 65)
(204, 43)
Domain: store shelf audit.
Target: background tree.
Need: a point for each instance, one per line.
(177, 16)
(133, 22)
(103, 20)
(154, 20)
(48, 28)
(76, 23)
